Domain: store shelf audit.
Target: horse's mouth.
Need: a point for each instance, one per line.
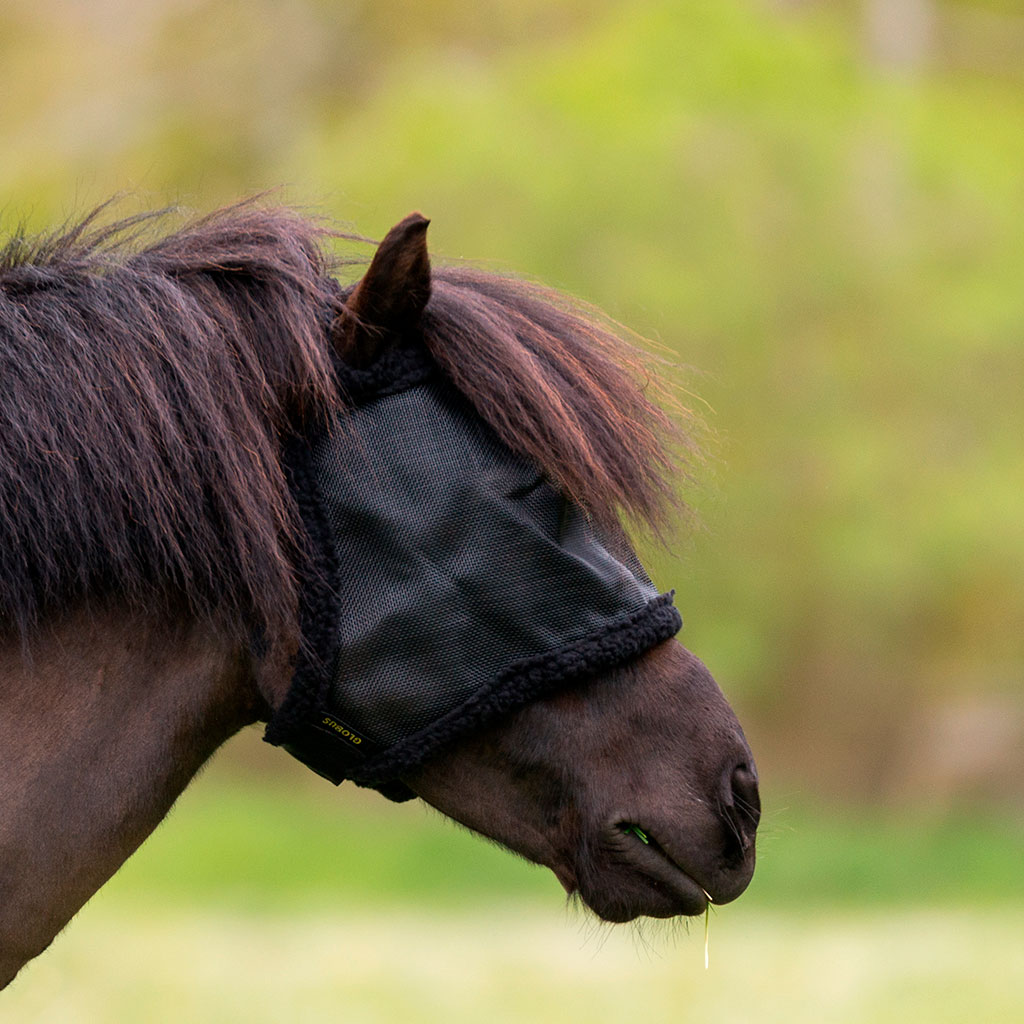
(639, 877)
(650, 858)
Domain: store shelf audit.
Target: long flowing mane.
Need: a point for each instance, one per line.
(146, 386)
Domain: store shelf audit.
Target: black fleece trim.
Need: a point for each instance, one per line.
(295, 724)
(319, 576)
(524, 682)
(397, 369)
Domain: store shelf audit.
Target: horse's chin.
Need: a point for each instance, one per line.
(683, 898)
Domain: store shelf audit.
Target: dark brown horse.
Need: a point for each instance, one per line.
(151, 551)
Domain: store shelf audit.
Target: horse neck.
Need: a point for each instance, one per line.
(103, 721)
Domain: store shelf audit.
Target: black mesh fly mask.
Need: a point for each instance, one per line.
(449, 583)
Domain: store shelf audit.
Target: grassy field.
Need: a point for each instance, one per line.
(506, 964)
(288, 901)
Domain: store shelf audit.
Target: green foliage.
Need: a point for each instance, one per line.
(836, 248)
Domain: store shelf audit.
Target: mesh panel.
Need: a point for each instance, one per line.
(457, 559)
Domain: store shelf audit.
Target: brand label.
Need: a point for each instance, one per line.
(341, 729)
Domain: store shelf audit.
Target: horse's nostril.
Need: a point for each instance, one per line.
(742, 804)
(744, 791)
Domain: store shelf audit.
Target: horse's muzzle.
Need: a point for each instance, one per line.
(673, 864)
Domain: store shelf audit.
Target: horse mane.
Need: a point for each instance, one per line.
(145, 384)
(148, 381)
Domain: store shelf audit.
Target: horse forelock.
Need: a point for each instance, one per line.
(566, 387)
(145, 387)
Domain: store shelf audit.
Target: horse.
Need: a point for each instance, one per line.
(156, 557)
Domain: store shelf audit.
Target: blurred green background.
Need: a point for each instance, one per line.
(816, 205)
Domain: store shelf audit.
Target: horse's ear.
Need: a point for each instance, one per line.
(389, 300)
